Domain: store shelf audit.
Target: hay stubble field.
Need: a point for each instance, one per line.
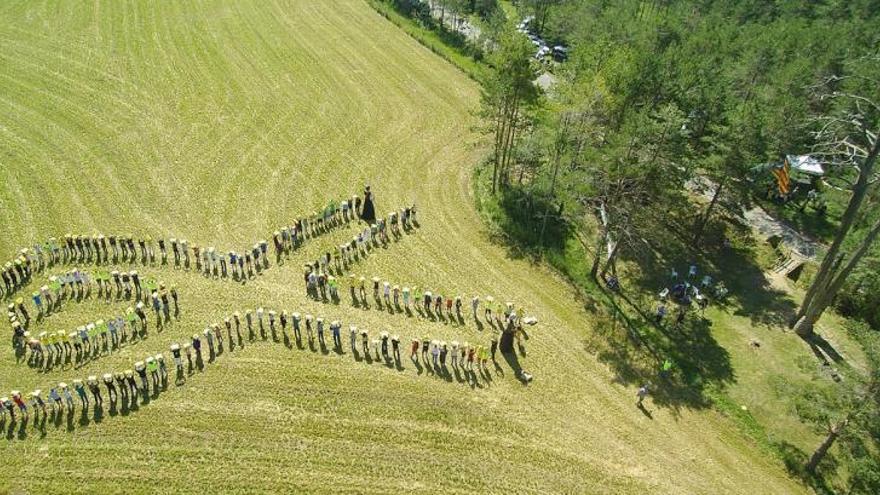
(217, 122)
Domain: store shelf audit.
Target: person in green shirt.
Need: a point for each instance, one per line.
(153, 368)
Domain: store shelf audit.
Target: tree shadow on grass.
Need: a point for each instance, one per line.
(635, 349)
(794, 460)
(736, 263)
(518, 217)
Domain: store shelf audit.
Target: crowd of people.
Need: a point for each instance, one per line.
(149, 377)
(123, 391)
(397, 299)
(320, 276)
(101, 249)
(685, 292)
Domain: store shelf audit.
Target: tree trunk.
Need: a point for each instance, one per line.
(597, 260)
(860, 190)
(826, 444)
(612, 255)
(552, 187)
(507, 141)
(821, 301)
(704, 218)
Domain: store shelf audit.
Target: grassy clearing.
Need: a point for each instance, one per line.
(217, 122)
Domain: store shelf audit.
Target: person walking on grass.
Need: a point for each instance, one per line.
(641, 394)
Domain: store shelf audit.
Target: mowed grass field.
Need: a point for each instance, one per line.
(219, 121)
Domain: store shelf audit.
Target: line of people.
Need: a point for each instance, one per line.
(318, 276)
(123, 390)
(103, 249)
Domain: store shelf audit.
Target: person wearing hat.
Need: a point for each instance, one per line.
(406, 298)
(7, 406)
(197, 346)
(363, 290)
(236, 318)
(384, 337)
(19, 401)
(319, 324)
(132, 384)
(228, 323)
(130, 317)
(68, 397)
(454, 354)
(111, 387)
(141, 369)
(308, 323)
(272, 315)
(120, 384)
(81, 393)
(96, 391)
(37, 400)
(218, 336)
(426, 346)
(19, 303)
(175, 354)
(335, 327)
(209, 338)
(187, 349)
(153, 369)
(365, 341)
(444, 350)
(55, 397)
(414, 350)
(163, 369)
(395, 348)
(142, 315)
(435, 353)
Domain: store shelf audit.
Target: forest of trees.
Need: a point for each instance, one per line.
(659, 98)
(658, 94)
